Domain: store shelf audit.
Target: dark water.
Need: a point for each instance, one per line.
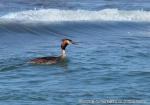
(111, 60)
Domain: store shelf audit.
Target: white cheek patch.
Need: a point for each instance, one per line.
(68, 42)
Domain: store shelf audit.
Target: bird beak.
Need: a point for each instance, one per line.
(74, 42)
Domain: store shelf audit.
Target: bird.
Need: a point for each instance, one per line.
(54, 59)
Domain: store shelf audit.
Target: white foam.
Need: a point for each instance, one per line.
(53, 15)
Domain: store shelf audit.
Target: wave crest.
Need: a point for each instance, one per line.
(56, 15)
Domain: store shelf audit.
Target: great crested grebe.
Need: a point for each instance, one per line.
(51, 59)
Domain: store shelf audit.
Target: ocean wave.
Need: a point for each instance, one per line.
(56, 15)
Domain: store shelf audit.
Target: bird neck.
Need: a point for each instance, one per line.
(63, 47)
(63, 53)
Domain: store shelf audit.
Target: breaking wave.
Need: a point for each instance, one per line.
(56, 15)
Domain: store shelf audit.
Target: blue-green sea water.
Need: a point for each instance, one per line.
(110, 61)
